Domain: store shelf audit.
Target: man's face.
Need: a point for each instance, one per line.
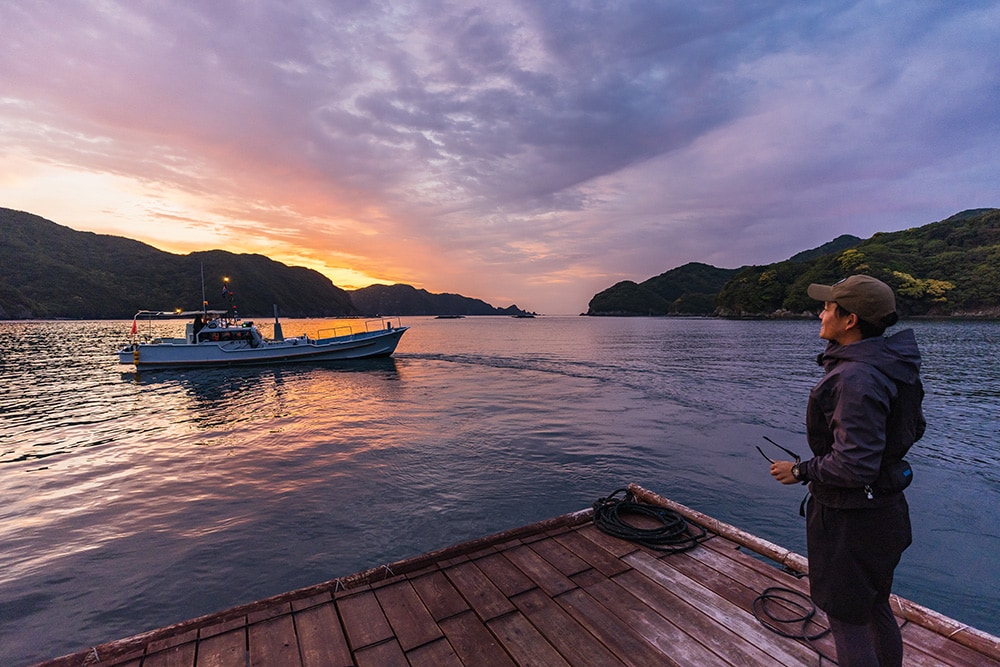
(833, 326)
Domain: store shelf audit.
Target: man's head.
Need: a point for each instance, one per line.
(869, 300)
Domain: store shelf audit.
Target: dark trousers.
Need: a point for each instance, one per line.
(852, 556)
(877, 643)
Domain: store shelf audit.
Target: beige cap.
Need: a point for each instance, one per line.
(868, 298)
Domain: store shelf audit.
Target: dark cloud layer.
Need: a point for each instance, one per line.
(531, 151)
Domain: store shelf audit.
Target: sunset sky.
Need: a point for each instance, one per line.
(528, 152)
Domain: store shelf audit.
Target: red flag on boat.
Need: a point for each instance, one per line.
(134, 329)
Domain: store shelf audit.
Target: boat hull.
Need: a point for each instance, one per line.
(178, 354)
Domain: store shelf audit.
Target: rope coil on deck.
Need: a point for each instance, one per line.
(673, 535)
(767, 612)
(789, 613)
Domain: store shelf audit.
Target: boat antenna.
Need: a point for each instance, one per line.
(204, 301)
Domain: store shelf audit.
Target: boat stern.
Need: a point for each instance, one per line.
(129, 354)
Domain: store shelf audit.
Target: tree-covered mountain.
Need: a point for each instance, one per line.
(688, 289)
(842, 242)
(946, 268)
(407, 300)
(51, 271)
(48, 271)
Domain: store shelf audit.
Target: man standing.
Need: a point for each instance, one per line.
(861, 419)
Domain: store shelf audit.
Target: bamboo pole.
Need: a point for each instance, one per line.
(780, 555)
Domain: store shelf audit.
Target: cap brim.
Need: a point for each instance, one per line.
(820, 292)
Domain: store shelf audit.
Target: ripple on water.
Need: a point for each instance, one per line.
(129, 502)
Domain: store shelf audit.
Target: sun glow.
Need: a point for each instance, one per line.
(170, 220)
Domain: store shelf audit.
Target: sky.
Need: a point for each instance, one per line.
(522, 152)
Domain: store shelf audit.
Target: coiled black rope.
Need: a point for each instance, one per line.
(673, 535)
(788, 613)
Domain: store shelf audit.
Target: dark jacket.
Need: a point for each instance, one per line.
(866, 409)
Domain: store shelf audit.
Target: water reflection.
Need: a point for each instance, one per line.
(245, 482)
(222, 375)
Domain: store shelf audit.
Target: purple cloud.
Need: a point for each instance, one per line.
(563, 145)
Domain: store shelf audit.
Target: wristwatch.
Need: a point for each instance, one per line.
(797, 473)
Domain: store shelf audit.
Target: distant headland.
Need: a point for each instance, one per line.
(949, 268)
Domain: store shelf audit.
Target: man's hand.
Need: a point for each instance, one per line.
(782, 471)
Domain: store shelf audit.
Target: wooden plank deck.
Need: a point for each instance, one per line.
(560, 592)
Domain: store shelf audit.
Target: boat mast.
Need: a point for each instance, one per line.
(204, 302)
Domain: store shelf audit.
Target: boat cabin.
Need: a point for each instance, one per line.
(219, 331)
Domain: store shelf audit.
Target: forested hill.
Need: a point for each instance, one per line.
(47, 270)
(51, 271)
(946, 268)
(408, 300)
(690, 289)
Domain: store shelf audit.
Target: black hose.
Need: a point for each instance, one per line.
(673, 535)
(797, 611)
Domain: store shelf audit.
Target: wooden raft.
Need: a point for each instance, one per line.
(559, 592)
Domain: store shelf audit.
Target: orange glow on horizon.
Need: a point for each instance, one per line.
(343, 277)
(169, 220)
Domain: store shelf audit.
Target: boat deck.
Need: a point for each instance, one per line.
(560, 592)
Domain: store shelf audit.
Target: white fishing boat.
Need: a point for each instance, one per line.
(218, 338)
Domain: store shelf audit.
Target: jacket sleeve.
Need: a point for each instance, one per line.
(855, 404)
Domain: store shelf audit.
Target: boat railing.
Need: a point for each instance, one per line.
(371, 326)
(334, 332)
(380, 323)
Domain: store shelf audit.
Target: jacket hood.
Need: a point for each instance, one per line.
(896, 356)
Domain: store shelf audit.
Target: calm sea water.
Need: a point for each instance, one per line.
(131, 502)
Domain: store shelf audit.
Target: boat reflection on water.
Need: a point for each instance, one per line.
(221, 383)
(214, 398)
